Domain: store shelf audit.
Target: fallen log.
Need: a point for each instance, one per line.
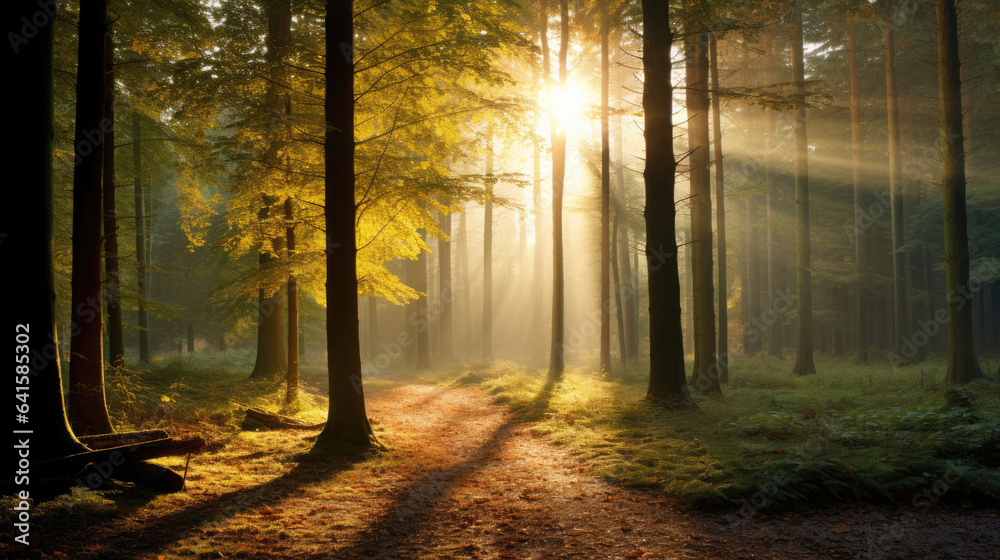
(125, 462)
(105, 441)
(277, 422)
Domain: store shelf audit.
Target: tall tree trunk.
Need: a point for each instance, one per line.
(753, 284)
(140, 241)
(423, 324)
(962, 364)
(463, 280)
(630, 296)
(488, 251)
(804, 353)
(372, 328)
(863, 301)
(292, 387)
(617, 287)
(116, 344)
(775, 330)
(88, 411)
(347, 428)
(720, 217)
(445, 293)
(272, 360)
(667, 380)
(899, 305)
(190, 337)
(538, 272)
(605, 205)
(557, 362)
(706, 372)
(27, 216)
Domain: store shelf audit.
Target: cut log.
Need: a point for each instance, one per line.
(278, 422)
(105, 441)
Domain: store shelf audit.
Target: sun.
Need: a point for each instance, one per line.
(568, 106)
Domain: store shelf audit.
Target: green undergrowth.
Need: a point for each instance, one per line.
(850, 432)
(208, 394)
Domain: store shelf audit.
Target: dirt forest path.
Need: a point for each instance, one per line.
(475, 482)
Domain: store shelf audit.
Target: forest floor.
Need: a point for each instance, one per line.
(462, 478)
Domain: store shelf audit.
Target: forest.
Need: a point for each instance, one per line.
(502, 279)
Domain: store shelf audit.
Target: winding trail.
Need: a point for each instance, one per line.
(466, 479)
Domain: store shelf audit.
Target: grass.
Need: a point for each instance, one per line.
(868, 433)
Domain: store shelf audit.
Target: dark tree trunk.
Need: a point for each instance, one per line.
(630, 295)
(422, 323)
(962, 364)
(190, 337)
(804, 352)
(899, 305)
(372, 328)
(488, 251)
(445, 293)
(667, 380)
(753, 284)
(88, 411)
(292, 388)
(775, 330)
(720, 218)
(538, 272)
(463, 281)
(140, 241)
(27, 216)
(617, 287)
(271, 360)
(116, 344)
(706, 371)
(347, 428)
(605, 206)
(557, 362)
(863, 301)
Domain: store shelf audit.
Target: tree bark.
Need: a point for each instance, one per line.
(617, 288)
(140, 240)
(863, 299)
(116, 344)
(488, 250)
(775, 330)
(372, 328)
(605, 205)
(27, 217)
(88, 411)
(720, 217)
(667, 380)
(292, 387)
(962, 363)
(463, 280)
(630, 294)
(557, 361)
(445, 292)
(804, 354)
(422, 323)
(272, 360)
(347, 429)
(706, 371)
(899, 305)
